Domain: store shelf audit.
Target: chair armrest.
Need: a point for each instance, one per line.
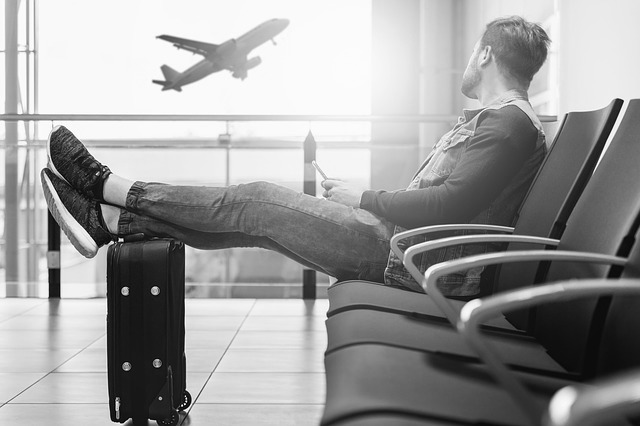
(478, 311)
(395, 240)
(436, 271)
(465, 239)
(596, 404)
(475, 312)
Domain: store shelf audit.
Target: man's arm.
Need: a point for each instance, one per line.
(504, 139)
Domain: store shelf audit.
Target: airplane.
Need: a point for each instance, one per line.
(230, 55)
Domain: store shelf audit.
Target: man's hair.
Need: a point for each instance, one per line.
(520, 47)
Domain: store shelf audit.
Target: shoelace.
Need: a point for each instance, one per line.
(82, 209)
(93, 175)
(94, 168)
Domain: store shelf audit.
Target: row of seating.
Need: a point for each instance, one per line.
(564, 313)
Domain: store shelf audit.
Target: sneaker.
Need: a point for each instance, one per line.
(70, 161)
(77, 215)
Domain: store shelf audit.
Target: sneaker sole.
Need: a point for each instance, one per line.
(50, 164)
(79, 237)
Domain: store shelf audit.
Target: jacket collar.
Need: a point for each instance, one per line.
(506, 97)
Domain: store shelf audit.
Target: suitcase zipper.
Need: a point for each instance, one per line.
(117, 408)
(116, 331)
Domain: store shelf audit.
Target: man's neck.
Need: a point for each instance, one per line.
(488, 94)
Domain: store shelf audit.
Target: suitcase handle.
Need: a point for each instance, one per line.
(134, 237)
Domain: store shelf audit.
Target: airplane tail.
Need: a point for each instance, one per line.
(170, 76)
(169, 73)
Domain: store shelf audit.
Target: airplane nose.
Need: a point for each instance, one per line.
(284, 23)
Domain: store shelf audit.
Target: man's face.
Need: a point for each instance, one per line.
(471, 77)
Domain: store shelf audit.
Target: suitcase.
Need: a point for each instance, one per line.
(146, 361)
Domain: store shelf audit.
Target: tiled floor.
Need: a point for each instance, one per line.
(249, 362)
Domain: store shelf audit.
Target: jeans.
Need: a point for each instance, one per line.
(340, 241)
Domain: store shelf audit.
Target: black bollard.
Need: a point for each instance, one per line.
(309, 148)
(53, 257)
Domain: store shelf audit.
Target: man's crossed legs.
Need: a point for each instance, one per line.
(93, 206)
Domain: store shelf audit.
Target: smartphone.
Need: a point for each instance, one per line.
(324, 176)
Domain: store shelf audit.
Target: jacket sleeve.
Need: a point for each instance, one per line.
(503, 140)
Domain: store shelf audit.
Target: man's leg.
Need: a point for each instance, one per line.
(339, 240)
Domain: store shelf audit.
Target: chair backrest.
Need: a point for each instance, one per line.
(604, 220)
(556, 188)
(566, 170)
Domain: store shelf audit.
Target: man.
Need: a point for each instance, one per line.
(478, 172)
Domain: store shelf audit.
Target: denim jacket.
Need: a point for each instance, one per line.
(438, 165)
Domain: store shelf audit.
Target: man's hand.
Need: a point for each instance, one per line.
(340, 192)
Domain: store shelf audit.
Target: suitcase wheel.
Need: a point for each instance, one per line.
(172, 420)
(186, 401)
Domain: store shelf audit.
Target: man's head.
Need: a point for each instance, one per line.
(518, 48)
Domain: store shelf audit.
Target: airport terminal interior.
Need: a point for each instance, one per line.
(366, 88)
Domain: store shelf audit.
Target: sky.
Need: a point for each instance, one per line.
(100, 56)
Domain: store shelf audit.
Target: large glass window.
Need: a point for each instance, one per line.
(101, 58)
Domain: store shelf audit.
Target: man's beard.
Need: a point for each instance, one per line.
(470, 80)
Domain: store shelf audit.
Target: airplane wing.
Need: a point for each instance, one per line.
(198, 47)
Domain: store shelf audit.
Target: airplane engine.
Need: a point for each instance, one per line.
(241, 72)
(253, 62)
(227, 47)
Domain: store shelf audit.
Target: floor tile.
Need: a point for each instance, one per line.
(272, 360)
(196, 382)
(16, 306)
(11, 384)
(257, 362)
(281, 307)
(203, 360)
(264, 388)
(34, 361)
(71, 307)
(209, 322)
(87, 361)
(280, 339)
(255, 415)
(55, 322)
(67, 388)
(221, 307)
(284, 323)
(100, 343)
(199, 339)
(47, 339)
(57, 414)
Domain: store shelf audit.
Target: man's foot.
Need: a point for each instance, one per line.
(70, 161)
(77, 215)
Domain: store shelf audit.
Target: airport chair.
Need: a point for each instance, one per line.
(416, 388)
(562, 177)
(611, 401)
(617, 344)
(608, 240)
(608, 402)
(423, 384)
(397, 375)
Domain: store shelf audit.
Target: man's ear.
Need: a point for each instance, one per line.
(485, 57)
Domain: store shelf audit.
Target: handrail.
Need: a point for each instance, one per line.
(214, 143)
(430, 118)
